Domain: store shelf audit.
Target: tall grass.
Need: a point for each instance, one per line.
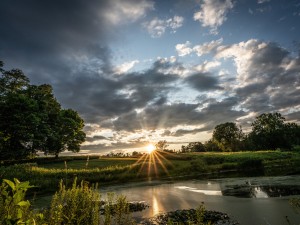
(77, 205)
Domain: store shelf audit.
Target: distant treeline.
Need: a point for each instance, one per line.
(269, 132)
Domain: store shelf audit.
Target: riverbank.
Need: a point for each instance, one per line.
(45, 174)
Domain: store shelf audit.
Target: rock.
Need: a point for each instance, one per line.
(190, 216)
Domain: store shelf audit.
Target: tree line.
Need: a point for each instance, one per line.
(32, 119)
(270, 131)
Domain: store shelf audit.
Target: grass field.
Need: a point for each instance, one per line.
(46, 174)
(90, 163)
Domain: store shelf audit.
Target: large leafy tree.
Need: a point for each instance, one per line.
(228, 136)
(269, 131)
(66, 134)
(33, 120)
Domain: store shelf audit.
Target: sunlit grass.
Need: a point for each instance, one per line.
(154, 163)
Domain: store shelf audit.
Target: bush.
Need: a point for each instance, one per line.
(78, 205)
(14, 209)
(296, 148)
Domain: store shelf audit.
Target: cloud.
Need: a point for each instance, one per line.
(262, 1)
(267, 75)
(207, 47)
(125, 67)
(172, 116)
(184, 49)
(120, 11)
(203, 81)
(157, 27)
(200, 50)
(71, 47)
(207, 66)
(213, 13)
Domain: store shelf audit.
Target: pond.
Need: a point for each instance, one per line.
(250, 201)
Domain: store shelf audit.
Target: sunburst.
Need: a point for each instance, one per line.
(154, 163)
(150, 148)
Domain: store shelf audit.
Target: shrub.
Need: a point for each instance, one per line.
(78, 205)
(14, 209)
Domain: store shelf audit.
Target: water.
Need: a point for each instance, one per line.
(250, 201)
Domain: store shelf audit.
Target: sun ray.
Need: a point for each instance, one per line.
(153, 163)
(162, 164)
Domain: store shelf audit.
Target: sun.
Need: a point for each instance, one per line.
(150, 148)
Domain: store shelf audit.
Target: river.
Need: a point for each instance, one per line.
(250, 201)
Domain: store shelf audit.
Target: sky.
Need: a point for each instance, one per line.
(141, 71)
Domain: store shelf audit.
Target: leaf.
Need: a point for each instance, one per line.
(10, 183)
(23, 203)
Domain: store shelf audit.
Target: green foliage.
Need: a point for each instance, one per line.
(212, 146)
(78, 205)
(14, 209)
(228, 136)
(193, 147)
(186, 217)
(32, 119)
(269, 131)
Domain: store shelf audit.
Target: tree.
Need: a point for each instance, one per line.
(212, 146)
(292, 135)
(228, 135)
(161, 145)
(65, 134)
(193, 147)
(32, 119)
(19, 117)
(12, 81)
(268, 131)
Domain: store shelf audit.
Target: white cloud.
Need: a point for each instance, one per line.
(242, 54)
(175, 22)
(125, 67)
(262, 1)
(205, 48)
(123, 11)
(207, 66)
(267, 75)
(157, 27)
(213, 13)
(184, 49)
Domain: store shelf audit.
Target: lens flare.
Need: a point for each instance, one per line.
(150, 148)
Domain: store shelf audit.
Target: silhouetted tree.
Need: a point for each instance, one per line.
(32, 119)
(268, 132)
(212, 146)
(161, 145)
(193, 147)
(228, 136)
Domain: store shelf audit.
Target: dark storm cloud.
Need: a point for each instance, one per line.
(273, 80)
(99, 98)
(155, 117)
(46, 31)
(169, 116)
(182, 132)
(96, 138)
(203, 81)
(66, 44)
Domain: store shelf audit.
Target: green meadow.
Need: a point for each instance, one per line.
(45, 174)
